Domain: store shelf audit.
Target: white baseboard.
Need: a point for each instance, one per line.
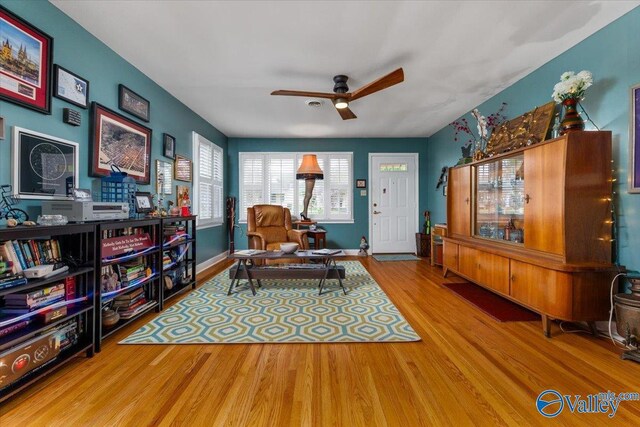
(211, 262)
(352, 251)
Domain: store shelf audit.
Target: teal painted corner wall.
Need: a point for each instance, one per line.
(612, 55)
(338, 235)
(80, 52)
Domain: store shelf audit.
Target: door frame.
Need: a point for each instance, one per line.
(416, 157)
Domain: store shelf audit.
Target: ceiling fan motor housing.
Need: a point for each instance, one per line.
(340, 84)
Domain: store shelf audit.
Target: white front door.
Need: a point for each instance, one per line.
(393, 205)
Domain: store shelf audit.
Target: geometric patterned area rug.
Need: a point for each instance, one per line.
(501, 309)
(283, 311)
(396, 257)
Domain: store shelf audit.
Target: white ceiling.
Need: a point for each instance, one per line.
(223, 58)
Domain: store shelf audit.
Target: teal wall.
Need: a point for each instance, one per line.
(613, 56)
(338, 235)
(78, 51)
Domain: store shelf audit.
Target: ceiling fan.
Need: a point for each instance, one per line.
(342, 97)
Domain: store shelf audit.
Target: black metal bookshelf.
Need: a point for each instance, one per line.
(25, 354)
(182, 269)
(150, 283)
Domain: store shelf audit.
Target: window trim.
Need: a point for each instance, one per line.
(265, 155)
(214, 222)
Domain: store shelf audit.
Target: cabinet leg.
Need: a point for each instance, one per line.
(592, 327)
(546, 326)
(445, 270)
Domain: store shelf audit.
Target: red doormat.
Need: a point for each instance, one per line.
(495, 306)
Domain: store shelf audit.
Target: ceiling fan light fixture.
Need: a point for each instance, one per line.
(340, 103)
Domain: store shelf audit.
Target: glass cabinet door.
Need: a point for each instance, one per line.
(499, 207)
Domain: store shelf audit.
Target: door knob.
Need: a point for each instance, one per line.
(527, 198)
(376, 212)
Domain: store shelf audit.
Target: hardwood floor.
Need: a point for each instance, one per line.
(467, 370)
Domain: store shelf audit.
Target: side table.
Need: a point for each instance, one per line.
(319, 238)
(299, 224)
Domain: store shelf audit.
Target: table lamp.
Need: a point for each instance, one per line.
(309, 170)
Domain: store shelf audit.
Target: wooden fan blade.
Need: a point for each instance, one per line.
(346, 113)
(303, 93)
(390, 79)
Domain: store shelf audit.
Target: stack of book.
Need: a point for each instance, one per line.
(8, 278)
(131, 304)
(29, 253)
(130, 271)
(170, 231)
(22, 303)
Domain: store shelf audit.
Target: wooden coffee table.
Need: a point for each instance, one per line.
(323, 270)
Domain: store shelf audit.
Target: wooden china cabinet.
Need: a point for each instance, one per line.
(534, 225)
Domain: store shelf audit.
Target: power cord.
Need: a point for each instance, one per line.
(615, 343)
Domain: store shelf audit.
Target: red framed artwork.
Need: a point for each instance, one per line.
(117, 140)
(25, 63)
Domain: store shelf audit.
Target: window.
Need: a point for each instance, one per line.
(208, 199)
(270, 178)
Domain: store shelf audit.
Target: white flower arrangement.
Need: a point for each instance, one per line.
(572, 85)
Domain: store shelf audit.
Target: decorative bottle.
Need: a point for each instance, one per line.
(426, 229)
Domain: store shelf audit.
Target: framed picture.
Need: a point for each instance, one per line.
(144, 202)
(634, 141)
(133, 103)
(182, 196)
(117, 140)
(164, 181)
(70, 87)
(361, 183)
(183, 169)
(44, 166)
(25, 63)
(169, 146)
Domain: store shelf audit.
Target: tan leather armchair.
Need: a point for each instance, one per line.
(270, 225)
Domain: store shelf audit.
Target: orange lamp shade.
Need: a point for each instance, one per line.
(309, 168)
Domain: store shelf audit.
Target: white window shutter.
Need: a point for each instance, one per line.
(270, 178)
(208, 182)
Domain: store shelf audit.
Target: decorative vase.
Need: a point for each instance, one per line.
(571, 120)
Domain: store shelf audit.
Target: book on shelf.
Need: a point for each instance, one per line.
(14, 327)
(29, 253)
(8, 253)
(27, 302)
(7, 274)
(13, 281)
(5, 265)
(129, 296)
(128, 314)
(70, 287)
(128, 303)
(37, 297)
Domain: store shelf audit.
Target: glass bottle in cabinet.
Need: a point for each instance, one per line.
(500, 199)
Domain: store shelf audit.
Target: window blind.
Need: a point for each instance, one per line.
(208, 183)
(270, 178)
